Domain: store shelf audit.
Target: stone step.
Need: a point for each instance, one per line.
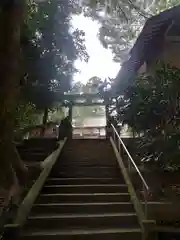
(88, 147)
(87, 164)
(62, 181)
(90, 188)
(74, 221)
(36, 153)
(91, 173)
(85, 234)
(33, 150)
(85, 169)
(27, 149)
(40, 142)
(83, 197)
(83, 175)
(30, 157)
(87, 207)
(86, 158)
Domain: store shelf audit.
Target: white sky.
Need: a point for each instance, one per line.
(100, 62)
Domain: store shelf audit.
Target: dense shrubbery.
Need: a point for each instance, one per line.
(153, 111)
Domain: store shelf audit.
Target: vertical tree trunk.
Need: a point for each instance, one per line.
(70, 113)
(11, 16)
(70, 130)
(45, 118)
(107, 128)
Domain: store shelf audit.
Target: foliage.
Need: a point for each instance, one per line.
(161, 5)
(94, 85)
(122, 20)
(51, 47)
(91, 86)
(152, 109)
(26, 114)
(83, 112)
(57, 113)
(37, 58)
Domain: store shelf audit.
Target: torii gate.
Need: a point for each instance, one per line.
(86, 99)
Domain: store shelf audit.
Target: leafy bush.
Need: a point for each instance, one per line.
(153, 111)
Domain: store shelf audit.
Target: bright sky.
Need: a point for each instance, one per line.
(100, 62)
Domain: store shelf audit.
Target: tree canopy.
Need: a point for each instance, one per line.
(50, 47)
(56, 46)
(122, 20)
(38, 48)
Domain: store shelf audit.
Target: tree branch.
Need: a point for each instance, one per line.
(123, 13)
(139, 10)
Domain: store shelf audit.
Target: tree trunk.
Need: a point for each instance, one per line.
(70, 113)
(11, 17)
(45, 118)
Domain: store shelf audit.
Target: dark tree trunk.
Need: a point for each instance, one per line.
(11, 17)
(44, 123)
(70, 113)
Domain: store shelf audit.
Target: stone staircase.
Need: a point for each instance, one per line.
(84, 197)
(36, 149)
